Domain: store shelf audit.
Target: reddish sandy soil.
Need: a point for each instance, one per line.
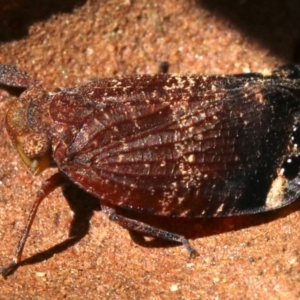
(65, 43)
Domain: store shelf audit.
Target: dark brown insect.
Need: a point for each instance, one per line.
(187, 146)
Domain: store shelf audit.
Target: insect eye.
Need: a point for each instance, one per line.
(34, 149)
(34, 145)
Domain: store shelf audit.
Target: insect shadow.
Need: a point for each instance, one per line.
(84, 205)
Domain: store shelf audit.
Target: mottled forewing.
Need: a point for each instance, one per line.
(192, 146)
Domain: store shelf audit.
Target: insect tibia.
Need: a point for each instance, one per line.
(48, 187)
(146, 229)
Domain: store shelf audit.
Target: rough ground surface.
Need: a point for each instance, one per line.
(64, 43)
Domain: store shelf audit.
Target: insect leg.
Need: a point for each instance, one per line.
(47, 187)
(14, 80)
(138, 226)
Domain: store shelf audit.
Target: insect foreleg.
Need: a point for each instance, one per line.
(47, 187)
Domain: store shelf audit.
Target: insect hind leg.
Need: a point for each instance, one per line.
(138, 226)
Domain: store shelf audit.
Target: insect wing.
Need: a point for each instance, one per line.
(187, 146)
